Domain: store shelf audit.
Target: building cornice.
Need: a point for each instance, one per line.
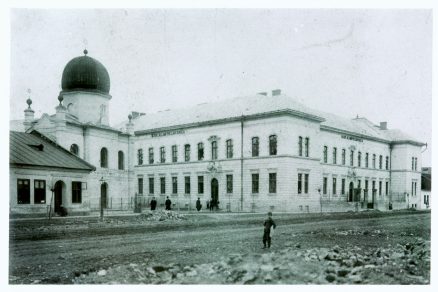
(362, 136)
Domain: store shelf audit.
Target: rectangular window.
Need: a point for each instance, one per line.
(380, 161)
(23, 191)
(366, 160)
(380, 188)
(359, 159)
(366, 187)
(255, 146)
(300, 182)
(335, 155)
(140, 186)
(151, 155)
(412, 167)
(343, 186)
(187, 152)
(351, 157)
(229, 148)
(386, 188)
(151, 185)
(306, 147)
(174, 185)
(76, 192)
(200, 151)
(214, 150)
(374, 160)
(255, 183)
(306, 183)
(200, 184)
(334, 186)
(374, 186)
(174, 153)
(358, 183)
(229, 183)
(162, 154)
(39, 192)
(162, 185)
(300, 146)
(387, 163)
(343, 156)
(272, 183)
(415, 163)
(140, 156)
(324, 154)
(324, 186)
(187, 184)
(273, 145)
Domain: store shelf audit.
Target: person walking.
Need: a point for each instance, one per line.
(168, 203)
(198, 204)
(153, 204)
(269, 223)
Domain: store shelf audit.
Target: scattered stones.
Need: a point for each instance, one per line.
(101, 273)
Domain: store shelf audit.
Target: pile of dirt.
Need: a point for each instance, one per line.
(161, 216)
(403, 264)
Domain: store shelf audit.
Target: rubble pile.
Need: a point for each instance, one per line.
(161, 216)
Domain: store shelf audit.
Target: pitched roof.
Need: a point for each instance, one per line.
(34, 149)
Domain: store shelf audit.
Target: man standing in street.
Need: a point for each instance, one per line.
(168, 203)
(198, 204)
(269, 223)
(153, 204)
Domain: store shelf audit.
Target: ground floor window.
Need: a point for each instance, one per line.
(306, 182)
(162, 185)
(255, 183)
(380, 188)
(300, 182)
(23, 191)
(187, 184)
(229, 183)
(76, 192)
(151, 185)
(174, 185)
(343, 186)
(200, 184)
(324, 186)
(39, 192)
(334, 185)
(272, 183)
(140, 185)
(386, 188)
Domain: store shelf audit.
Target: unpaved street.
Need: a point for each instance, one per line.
(85, 251)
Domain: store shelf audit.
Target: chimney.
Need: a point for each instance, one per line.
(29, 115)
(276, 92)
(383, 126)
(263, 93)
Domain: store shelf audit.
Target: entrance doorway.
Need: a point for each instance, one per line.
(350, 192)
(214, 193)
(59, 189)
(104, 195)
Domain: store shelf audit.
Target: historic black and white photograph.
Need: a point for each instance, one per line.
(220, 146)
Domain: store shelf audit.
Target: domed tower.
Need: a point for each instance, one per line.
(85, 89)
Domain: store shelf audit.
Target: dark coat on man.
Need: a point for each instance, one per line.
(267, 231)
(168, 203)
(198, 204)
(153, 204)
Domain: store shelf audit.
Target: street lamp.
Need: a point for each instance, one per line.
(102, 181)
(320, 198)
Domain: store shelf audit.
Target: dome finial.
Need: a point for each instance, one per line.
(29, 101)
(85, 52)
(60, 98)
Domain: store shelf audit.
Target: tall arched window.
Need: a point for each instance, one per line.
(213, 150)
(121, 160)
(273, 145)
(74, 148)
(104, 158)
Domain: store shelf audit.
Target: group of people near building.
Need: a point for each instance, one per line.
(211, 204)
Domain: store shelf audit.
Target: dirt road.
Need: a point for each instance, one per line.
(65, 250)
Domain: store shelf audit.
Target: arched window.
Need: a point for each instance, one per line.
(213, 150)
(255, 146)
(74, 148)
(273, 145)
(104, 158)
(121, 160)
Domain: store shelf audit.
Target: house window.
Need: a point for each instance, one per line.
(343, 186)
(200, 151)
(366, 160)
(415, 163)
(272, 183)
(324, 186)
(325, 154)
(273, 145)
(380, 188)
(39, 191)
(174, 153)
(162, 154)
(229, 183)
(140, 156)
(386, 188)
(335, 155)
(76, 192)
(334, 186)
(306, 183)
(74, 148)
(412, 167)
(162, 185)
(213, 150)
(255, 183)
(380, 161)
(359, 159)
(151, 155)
(187, 184)
(374, 160)
(343, 156)
(255, 146)
(300, 146)
(229, 148)
(387, 163)
(121, 161)
(104, 158)
(187, 152)
(300, 182)
(365, 191)
(140, 185)
(174, 185)
(351, 157)
(151, 185)
(306, 147)
(200, 184)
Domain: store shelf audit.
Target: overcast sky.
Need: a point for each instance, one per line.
(372, 63)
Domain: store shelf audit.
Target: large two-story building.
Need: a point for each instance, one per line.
(254, 153)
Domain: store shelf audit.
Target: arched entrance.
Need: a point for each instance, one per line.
(214, 193)
(59, 190)
(104, 195)
(350, 192)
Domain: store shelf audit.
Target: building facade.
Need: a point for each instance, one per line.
(254, 153)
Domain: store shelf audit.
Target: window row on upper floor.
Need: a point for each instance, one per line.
(359, 158)
(74, 148)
